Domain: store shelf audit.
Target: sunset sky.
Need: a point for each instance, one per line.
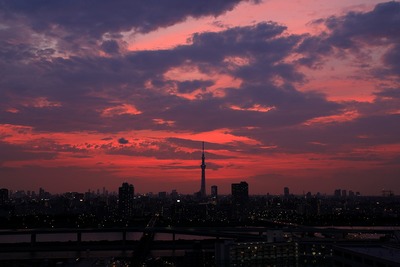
(304, 94)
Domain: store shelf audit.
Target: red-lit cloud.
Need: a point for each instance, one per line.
(96, 95)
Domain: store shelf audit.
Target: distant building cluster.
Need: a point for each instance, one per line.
(283, 244)
(343, 193)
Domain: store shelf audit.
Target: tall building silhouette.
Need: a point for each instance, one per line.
(3, 196)
(337, 193)
(214, 191)
(286, 191)
(240, 192)
(203, 175)
(125, 200)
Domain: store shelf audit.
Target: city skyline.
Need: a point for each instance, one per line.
(304, 95)
(214, 192)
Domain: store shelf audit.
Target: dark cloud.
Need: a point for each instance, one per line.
(95, 18)
(110, 47)
(80, 28)
(312, 49)
(335, 137)
(210, 165)
(175, 167)
(90, 85)
(356, 157)
(9, 152)
(289, 107)
(187, 143)
(395, 161)
(350, 34)
(123, 141)
(261, 47)
(379, 26)
(190, 86)
(389, 92)
(159, 150)
(39, 149)
(392, 60)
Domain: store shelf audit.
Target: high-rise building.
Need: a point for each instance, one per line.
(214, 191)
(41, 193)
(3, 195)
(125, 199)
(240, 192)
(286, 191)
(174, 194)
(203, 175)
(162, 194)
(337, 193)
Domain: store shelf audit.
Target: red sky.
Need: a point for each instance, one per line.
(303, 94)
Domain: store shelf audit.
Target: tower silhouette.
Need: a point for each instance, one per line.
(203, 175)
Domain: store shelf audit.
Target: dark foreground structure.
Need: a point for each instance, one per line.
(127, 229)
(201, 246)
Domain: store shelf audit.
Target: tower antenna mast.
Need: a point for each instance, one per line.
(203, 175)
